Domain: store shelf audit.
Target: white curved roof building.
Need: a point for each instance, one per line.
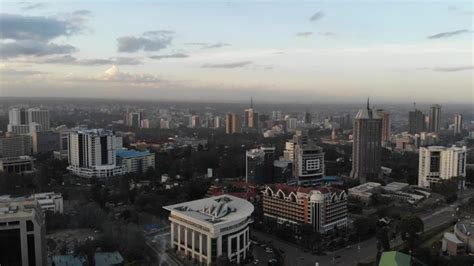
(206, 229)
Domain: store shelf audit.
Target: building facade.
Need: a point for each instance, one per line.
(206, 229)
(435, 118)
(458, 124)
(324, 208)
(366, 148)
(233, 124)
(386, 132)
(19, 165)
(416, 122)
(14, 146)
(438, 163)
(133, 161)
(92, 153)
(45, 141)
(22, 233)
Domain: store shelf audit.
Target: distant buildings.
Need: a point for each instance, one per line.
(367, 150)
(15, 145)
(416, 122)
(19, 165)
(250, 117)
(133, 161)
(435, 118)
(458, 120)
(323, 208)
(133, 118)
(209, 228)
(26, 121)
(386, 132)
(439, 163)
(92, 153)
(22, 233)
(233, 124)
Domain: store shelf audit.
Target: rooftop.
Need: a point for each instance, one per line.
(94, 131)
(214, 210)
(131, 153)
(288, 189)
(395, 186)
(394, 258)
(17, 208)
(107, 258)
(452, 237)
(366, 187)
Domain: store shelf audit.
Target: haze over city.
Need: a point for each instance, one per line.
(338, 51)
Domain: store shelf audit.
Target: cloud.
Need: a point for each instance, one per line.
(195, 43)
(304, 34)
(148, 41)
(215, 45)
(176, 55)
(33, 48)
(448, 34)
(18, 27)
(82, 13)
(452, 69)
(114, 74)
(9, 72)
(70, 60)
(228, 65)
(30, 5)
(327, 33)
(317, 16)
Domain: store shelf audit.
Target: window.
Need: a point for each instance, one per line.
(312, 165)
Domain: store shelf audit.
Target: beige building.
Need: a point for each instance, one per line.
(440, 163)
(22, 233)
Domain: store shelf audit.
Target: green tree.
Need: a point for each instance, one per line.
(410, 228)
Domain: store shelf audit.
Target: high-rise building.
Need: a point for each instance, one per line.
(17, 116)
(458, 124)
(291, 123)
(92, 153)
(22, 233)
(133, 119)
(14, 146)
(195, 121)
(435, 118)
(233, 124)
(254, 160)
(307, 118)
(438, 163)
(324, 208)
(39, 116)
(217, 122)
(416, 122)
(277, 115)
(386, 134)
(210, 228)
(25, 122)
(250, 117)
(366, 148)
(45, 141)
(134, 161)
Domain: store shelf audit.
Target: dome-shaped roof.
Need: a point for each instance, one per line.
(316, 196)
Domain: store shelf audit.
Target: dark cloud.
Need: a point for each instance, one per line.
(228, 65)
(304, 34)
(176, 55)
(317, 16)
(33, 48)
(452, 69)
(448, 34)
(30, 6)
(4, 72)
(148, 41)
(18, 27)
(70, 60)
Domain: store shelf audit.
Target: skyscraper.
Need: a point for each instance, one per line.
(92, 153)
(366, 149)
(40, 116)
(254, 160)
(250, 116)
(385, 126)
(307, 118)
(457, 124)
(438, 163)
(232, 123)
(26, 121)
(435, 118)
(416, 122)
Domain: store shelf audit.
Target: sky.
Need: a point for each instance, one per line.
(273, 51)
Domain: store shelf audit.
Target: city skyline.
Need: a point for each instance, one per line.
(275, 52)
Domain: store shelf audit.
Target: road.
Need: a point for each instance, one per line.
(367, 252)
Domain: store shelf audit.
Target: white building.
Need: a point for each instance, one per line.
(26, 121)
(440, 163)
(206, 229)
(22, 233)
(48, 201)
(133, 161)
(92, 153)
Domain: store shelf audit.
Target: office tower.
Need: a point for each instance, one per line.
(385, 126)
(232, 124)
(92, 153)
(39, 116)
(416, 122)
(307, 118)
(14, 146)
(250, 116)
(63, 146)
(366, 148)
(133, 118)
(438, 163)
(212, 228)
(195, 121)
(435, 118)
(254, 160)
(291, 123)
(22, 233)
(457, 124)
(25, 122)
(268, 169)
(45, 141)
(217, 122)
(277, 115)
(165, 124)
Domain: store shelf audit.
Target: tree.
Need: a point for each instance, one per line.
(410, 228)
(364, 227)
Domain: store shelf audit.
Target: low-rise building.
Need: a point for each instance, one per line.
(452, 245)
(22, 233)
(324, 208)
(364, 191)
(206, 229)
(133, 161)
(464, 231)
(48, 201)
(18, 165)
